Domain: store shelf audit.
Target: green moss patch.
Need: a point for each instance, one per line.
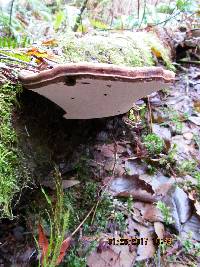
(12, 174)
(136, 49)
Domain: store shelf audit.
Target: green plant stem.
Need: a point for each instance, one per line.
(189, 61)
(78, 19)
(168, 19)
(144, 12)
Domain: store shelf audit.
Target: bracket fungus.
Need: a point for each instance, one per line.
(95, 90)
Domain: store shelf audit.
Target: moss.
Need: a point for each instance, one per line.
(162, 52)
(153, 143)
(17, 55)
(128, 49)
(11, 171)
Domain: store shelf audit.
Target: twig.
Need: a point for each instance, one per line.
(195, 55)
(78, 19)
(27, 131)
(189, 61)
(138, 9)
(100, 198)
(96, 206)
(144, 13)
(171, 12)
(150, 113)
(158, 253)
(76, 230)
(5, 57)
(10, 19)
(178, 66)
(166, 20)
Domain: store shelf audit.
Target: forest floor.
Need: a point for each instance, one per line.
(101, 150)
(136, 176)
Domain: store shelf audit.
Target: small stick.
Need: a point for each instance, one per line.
(78, 19)
(10, 19)
(76, 230)
(27, 131)
(95, 211)
(150, 113)
(189, 61)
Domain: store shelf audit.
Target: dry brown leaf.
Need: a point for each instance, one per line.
(197, 207)
(156, 52)
(107, 150)
(159, 229)
(192, 195)
(114, 256)
(64, 247)
(161, 131)
(195, 120)
(132, 186)
(34, 51)
(147, 251)
(50, 42)
(43, 241)
(191, 227)
(134, 167)
(148, 212)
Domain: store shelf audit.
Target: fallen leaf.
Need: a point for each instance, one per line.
(188, 136)
(183, 204)
(50, 42)
(192, 226)
(107, 150)
(195, 120)
(37, 52)
(192, 195)
(159, 229)
(134, 167)
(113, 256)
(160, 183)
(156, 52)
(148, 211)
(43, 241)
(22, 19)
(149, 251)
(197, 207)
(40, 55)
(64, 247)
(184, 147)
(161, 131)
(197, 105)
(146, 250)
(132, 186)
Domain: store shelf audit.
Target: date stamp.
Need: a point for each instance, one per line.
(138, 241)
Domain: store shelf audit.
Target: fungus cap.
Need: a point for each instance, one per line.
(96, 90)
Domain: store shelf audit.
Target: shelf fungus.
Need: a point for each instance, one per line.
(95, 90)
